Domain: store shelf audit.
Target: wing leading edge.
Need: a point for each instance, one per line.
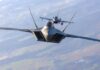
(23, 30)
(81, 37)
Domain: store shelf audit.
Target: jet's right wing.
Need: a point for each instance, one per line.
(67, 22)
(81, 37)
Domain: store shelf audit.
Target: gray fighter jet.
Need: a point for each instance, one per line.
(49, 33)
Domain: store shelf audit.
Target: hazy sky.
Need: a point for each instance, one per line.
(22, 51)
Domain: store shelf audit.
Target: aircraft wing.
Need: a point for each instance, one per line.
(23, 30)
(66, 22)
(81, 37)
(45, 18)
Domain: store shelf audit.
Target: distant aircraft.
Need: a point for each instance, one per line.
(49, 33)
(56, 20)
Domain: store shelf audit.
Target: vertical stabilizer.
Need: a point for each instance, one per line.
(33, 19)
(69, 22)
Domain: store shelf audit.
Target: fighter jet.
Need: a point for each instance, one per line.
(49, 33)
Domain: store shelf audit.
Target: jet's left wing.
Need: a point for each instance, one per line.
(81, 37)
(23, 30)
(45, 18)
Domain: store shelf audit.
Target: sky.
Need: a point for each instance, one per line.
(22, 51)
